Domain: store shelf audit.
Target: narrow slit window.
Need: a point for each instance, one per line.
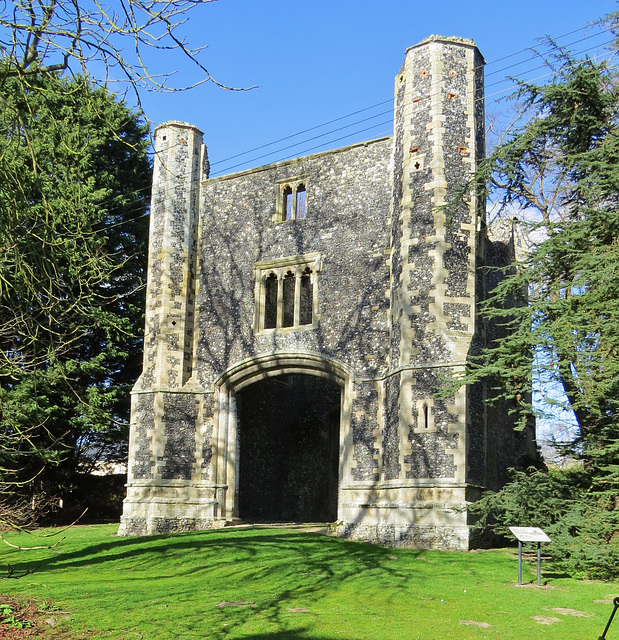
(306, 298)
(288, 301)
(301, 199)
(288, 201)
(426, 416)
(270, 302)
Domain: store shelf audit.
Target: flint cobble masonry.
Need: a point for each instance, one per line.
(363, 266)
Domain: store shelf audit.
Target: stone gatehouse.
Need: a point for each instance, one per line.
(301, 315)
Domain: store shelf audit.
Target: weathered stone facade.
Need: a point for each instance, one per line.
(300, 317)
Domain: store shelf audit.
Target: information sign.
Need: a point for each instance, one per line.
(529, 534)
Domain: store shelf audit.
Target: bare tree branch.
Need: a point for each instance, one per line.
(57, 35)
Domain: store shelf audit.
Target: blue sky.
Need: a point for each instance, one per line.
(319, 61)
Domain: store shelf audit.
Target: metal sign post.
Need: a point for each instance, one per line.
(612, 615)
(529, 534)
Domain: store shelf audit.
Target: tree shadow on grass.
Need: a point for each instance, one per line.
(278, 568)
(298, 634)
(213, 545)
(555, 575)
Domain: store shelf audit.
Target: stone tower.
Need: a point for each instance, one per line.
(300, 317)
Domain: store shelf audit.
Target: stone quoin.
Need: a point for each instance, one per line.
(300, 317)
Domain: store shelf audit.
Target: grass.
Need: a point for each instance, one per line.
(279, 584)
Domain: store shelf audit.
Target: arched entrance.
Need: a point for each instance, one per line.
(288, 446)
(282, 438)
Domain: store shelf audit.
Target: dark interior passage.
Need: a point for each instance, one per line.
(289, 449)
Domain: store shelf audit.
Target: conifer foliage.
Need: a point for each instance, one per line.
(74, 187)
(560, 166)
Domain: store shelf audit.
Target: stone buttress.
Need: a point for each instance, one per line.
(436, 219)
(164, 409)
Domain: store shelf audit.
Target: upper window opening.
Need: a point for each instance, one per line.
(292, 201)
(288, 208)
(301, 198)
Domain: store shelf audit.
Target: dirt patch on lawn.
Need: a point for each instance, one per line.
(19, 619)
(474, 623)
(22, 619)
(572, 612)
(548, 620)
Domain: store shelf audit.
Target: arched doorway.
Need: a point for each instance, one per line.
(305, 375)
(288, 430)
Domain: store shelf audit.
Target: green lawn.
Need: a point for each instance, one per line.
(286, 584)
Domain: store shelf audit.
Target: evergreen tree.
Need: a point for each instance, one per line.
(559, 166)
(74, 185)
(74, 188)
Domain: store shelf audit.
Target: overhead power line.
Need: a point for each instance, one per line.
(298, 133)
(383, 124)
(612, 67)
(487, 95)
(536, 55)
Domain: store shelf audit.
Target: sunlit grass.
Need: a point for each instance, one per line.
(278, 583)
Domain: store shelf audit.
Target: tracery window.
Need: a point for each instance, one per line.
(285, 291)
(292, 200)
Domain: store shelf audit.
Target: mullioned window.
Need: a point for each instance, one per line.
(286, 293)
(291, 200)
